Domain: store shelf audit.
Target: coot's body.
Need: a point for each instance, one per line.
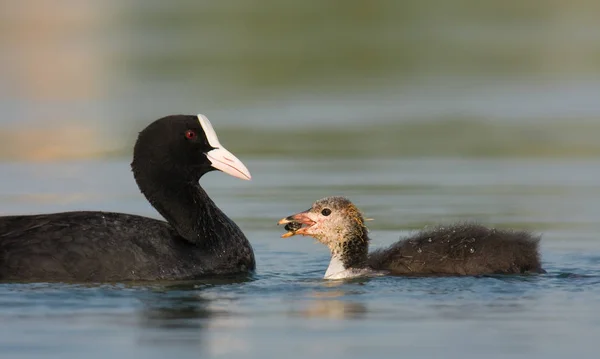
(198, 240)
(106, 246)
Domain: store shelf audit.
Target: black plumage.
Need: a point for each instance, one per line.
(170, 156)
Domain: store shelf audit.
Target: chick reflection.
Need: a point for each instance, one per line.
(324, 306)
(333, 309)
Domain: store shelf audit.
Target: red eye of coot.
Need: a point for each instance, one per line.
(190, 134)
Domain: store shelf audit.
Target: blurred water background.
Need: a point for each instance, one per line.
(419, 111)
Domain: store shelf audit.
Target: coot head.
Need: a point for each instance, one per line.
(331, 220)
(184, 147)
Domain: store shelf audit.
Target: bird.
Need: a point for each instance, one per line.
(197, 239)
(459, 249)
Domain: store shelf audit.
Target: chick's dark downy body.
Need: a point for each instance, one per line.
(461, 249)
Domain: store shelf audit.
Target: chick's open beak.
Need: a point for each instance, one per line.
(302, 218)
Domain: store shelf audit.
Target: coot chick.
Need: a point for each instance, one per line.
(459, 249)
(198, 239)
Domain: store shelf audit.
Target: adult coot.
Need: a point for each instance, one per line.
(198, 239)
(460, 249)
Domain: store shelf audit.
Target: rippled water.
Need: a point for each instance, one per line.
(286, 309)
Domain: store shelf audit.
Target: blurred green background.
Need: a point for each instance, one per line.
(79, 79)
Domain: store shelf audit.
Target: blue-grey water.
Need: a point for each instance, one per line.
(285, 309)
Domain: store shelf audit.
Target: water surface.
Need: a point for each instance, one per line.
(285, 308)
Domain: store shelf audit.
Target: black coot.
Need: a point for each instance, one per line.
(198, 239)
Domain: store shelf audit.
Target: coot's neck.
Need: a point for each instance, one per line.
(184, 204)
(349, 252)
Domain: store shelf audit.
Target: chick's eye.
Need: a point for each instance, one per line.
(190, 134)
(326, 212)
